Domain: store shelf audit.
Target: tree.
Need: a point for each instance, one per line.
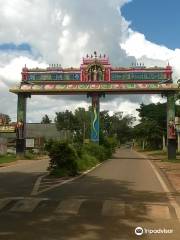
(65, 121)
(46, 119)
(148, 134)
(105, 122)
(122, 126)
(80, 124)
(5, 119)
(154, 112)
(83, 123)
(116, 125)
(153, 125)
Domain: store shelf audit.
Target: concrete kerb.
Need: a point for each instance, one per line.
(35, 191)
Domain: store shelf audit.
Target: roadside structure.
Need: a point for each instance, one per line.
(95, 78)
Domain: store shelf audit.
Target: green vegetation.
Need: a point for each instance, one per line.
(67, 159)
(29, 155)
(162, 155)
(151, 130)
(4, 118)
(78, 154)
(157, 153)
(46, 119)
(7, 158)
(79, 123)
(62, 157)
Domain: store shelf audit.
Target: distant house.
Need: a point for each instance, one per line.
(39, 132)
(47, 131)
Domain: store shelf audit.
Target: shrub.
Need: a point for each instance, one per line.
(48, 144)
(78, 147)
(63, 157)
(110, 144)
(86, 161)
(95, 150)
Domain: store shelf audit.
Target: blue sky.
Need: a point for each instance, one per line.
(158, 20)
(63, 34)
(14, 47)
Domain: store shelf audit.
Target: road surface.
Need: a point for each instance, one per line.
(108, 203)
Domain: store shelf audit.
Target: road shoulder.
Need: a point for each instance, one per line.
(169, 171)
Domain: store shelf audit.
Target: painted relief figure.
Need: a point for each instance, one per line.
(95, 73)
(171, 130)
(20, 130)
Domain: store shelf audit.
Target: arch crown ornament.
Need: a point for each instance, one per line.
(95, 72)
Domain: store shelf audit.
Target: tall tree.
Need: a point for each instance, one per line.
(83, 122)
(4, 118)
(154, 112)
(46, 119)
(117, 125)
(153, 125)
(65, 121)
(79, 123)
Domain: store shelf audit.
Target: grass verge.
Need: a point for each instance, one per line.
(7, 158)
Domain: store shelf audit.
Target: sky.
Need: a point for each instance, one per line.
(42, 32)
(158, 20)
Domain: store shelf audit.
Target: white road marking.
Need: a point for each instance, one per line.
(172, 200)
(36, 191)
(4, 202)
(37, 185)
(26, 205)
(113, 208)
(70, 206)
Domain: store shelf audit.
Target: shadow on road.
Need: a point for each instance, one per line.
(15, 184)
(89, 223)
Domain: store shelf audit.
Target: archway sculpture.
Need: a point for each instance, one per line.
(95, 78)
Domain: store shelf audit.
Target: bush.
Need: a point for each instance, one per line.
(48, 144)
(63, 157)
(86, 161)
(78, 147)
(110, 144)
(95, 150)
(67, 159)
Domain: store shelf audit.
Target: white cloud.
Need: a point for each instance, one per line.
(152, 54)
(11, 72)
(42, 24)
(60, 31)
(52, 105)
(63, 31)
(157, 99)
(66, 20)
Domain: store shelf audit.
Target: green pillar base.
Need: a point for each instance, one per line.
(171, 149)
(20, 148)
(95, 118)
(171, 135)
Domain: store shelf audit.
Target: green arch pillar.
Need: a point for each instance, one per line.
(171, 134)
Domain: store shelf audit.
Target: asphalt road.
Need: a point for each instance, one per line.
(18, 179)
(106, 204)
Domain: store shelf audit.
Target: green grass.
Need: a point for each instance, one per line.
(157, 152)
(7, 158)
(171, 160)
(30, 156)
(163, 154)
(12, 157)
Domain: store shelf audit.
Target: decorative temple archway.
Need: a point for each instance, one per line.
(95, 78)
